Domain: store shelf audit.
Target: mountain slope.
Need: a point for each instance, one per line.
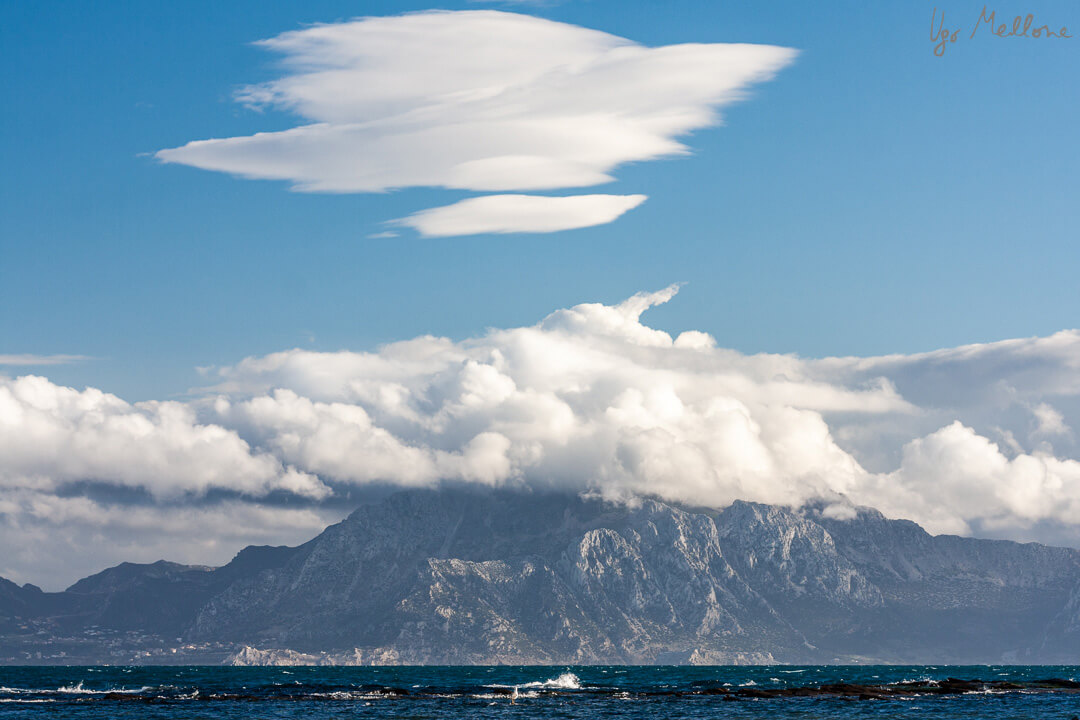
(470, 576)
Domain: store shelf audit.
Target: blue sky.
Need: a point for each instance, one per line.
(873, 198)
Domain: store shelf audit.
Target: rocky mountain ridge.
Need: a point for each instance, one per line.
(475, 577)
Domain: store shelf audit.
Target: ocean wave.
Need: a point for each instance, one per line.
(80, 690)
(77, 689)
(499, 696)
(350, 695)
(566, 681)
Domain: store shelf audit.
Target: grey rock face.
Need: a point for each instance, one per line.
(976, 600)
(460, 576)
(464, 576)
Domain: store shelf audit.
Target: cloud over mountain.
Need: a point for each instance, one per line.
(479, 100)
(975, 439)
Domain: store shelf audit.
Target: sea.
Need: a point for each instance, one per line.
(649, 693)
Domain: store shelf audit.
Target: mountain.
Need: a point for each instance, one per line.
(460, 576)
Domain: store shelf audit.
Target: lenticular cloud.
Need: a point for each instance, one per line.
(591, 399)
(479, 100)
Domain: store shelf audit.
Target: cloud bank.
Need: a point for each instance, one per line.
(479, 100)
(971, 440)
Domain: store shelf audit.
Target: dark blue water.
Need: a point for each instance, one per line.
(650, 693)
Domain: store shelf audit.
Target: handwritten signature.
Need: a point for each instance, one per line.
(1021, 27)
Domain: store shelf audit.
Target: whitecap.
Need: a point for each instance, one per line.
(80, 690)
(493, 696)
(566, 681)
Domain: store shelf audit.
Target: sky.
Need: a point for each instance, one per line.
(255, 258)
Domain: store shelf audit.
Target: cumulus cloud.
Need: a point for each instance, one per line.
(955, 480)
(589, 399)
(1006, 390)
(479, 100)
(52, 435)
(520, 213)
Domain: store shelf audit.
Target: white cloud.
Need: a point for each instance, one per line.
(590, 399)
(995, 388)
(1016, 370)
(477, 100)
(1049, 421)
(29, 359)
(52, 435)
(520, 213)
(954, 479)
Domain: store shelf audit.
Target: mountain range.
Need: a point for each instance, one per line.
(465, 576)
